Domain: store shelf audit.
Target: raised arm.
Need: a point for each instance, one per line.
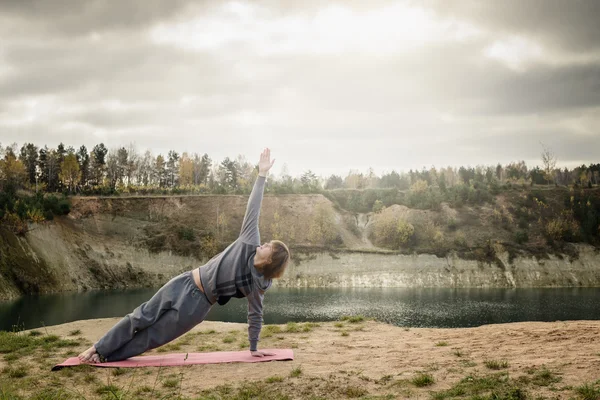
(249, 231)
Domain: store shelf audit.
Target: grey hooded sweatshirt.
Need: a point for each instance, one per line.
(231, 273)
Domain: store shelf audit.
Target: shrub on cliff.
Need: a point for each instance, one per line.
(391, 231)
(323, 228)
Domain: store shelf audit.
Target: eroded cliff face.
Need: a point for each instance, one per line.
(132, 242)
(359, 269)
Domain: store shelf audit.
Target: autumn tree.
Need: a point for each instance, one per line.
(12, 172)
(70, 173)
(391, 231)
(322, 228)
(186, 170)
(355, 180)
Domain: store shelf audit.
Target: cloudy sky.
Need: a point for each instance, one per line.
(328, 85)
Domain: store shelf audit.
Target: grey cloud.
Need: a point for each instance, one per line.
(570, 25)
(453, 78)
(126, 66)
(68, 17)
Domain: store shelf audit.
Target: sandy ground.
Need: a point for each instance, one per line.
(379, 359)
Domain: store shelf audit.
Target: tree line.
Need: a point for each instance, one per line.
(102, 172)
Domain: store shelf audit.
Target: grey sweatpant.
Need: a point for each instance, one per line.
(175, 309)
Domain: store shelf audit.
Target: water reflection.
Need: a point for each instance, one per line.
(438, 307)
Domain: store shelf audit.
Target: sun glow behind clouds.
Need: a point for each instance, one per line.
(333, 29)
(515, 52)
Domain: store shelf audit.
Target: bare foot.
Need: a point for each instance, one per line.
(90, 355)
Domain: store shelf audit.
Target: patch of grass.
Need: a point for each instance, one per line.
(52, 394)
(353, 319)
(339, 324)
(292, 327)
(169, 347)
(228, 339)
(422, 380)
(354, 391)
(111, 390)
(75, 332)
(296, 372)
(544, 377)
(270, 330)
(143, 390)
(588, 392)
(441, 344)
(496, 364)
(17, 371)
(171, 383)
(344, 333)
(495, 386)
(273, 379)
(90, 378)
(244, 345)
(468, 363)
(35, 333)
(11, 342)
(11, 357)
(119, 371)
(208, 347)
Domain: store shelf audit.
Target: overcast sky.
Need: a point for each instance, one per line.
(327, 85)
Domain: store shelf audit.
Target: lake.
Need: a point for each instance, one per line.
(436, 307)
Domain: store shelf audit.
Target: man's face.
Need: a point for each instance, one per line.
(265, 251)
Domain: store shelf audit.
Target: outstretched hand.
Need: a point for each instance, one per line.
(265, 163)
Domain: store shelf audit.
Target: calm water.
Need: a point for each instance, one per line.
(399, 306)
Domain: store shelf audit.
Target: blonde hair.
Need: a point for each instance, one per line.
(279, 260)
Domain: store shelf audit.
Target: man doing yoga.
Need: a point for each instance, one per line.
(244, 269)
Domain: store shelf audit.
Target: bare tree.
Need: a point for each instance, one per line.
(549, 161)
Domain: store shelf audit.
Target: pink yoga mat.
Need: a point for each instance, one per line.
(179, 359)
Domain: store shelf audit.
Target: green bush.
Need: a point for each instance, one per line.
(562, 228)
(378, 206)
(521, 237)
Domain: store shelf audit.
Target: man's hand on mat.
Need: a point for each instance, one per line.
(261, 353)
